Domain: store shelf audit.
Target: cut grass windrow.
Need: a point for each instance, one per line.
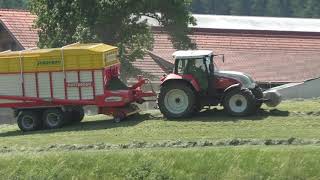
(164, 144)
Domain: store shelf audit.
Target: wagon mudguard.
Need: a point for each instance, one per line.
(186, 78)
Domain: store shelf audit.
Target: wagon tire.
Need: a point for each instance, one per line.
(53, 118)
(77, 115)
(29, 121)
(176, 100)
(240, 103)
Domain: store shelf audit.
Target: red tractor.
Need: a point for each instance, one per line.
(197, 82)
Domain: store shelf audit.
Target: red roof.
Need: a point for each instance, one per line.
(266, 55)
(19, 24)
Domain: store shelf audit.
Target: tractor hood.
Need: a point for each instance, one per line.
(244, 79)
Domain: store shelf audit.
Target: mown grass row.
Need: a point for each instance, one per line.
(279, 162)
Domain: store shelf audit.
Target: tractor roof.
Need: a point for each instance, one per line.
(191, 54)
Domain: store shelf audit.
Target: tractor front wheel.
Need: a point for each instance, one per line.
(176, 100)
(240, 103)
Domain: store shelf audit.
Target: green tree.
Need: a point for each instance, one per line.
(218, 7)
(211, 7)
(259, 7)
(241, 7)
(298, 8)
(312, 9)
(15, 4)
(279, 8)
(115, 22)
(199, 6)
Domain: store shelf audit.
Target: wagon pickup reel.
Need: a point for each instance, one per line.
(123, 107)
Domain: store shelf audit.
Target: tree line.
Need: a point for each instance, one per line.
(13, 4)
(275, 8)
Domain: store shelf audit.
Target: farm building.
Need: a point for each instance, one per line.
(274, 51)
(16, 30)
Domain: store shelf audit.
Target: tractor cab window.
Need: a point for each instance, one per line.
(208, 62)
(196, 67)
(198, 64)
(188, 66)
(181, 66)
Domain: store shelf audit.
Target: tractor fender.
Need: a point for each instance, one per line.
(188, 79)
(237, 86)
(234, 87)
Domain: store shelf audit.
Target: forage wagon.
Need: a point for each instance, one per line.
(48, 88)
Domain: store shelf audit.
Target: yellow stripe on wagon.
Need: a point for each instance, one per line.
(70, 57)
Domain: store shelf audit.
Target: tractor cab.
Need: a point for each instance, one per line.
(198, 64)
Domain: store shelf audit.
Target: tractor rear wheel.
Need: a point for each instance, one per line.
(240, 103)
(176, 100)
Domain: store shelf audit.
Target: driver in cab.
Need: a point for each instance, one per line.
(198, 70)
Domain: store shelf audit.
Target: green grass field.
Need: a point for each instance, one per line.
(73, 151)
(205, 163)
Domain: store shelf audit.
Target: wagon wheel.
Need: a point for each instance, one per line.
(29, 120)
(118, 117)
(53, 118)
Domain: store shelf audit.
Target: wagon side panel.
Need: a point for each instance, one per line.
(58, 85)
(30, 85)
(44, 85)
(72, 92)
(10, 84)
(98, 78)
(86, 90)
